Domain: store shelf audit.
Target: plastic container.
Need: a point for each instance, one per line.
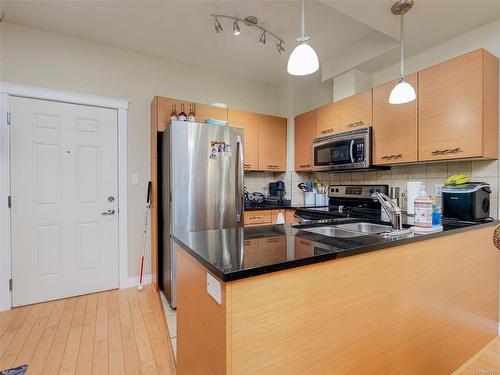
(309, 198)
(423, 210)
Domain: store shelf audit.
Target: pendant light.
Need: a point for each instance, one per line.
(403, 92)
(303, 60)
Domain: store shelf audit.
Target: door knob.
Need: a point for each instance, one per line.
(108, 212)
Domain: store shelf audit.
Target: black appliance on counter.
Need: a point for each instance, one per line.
(469, 202)
(347, 201)
(277, 190)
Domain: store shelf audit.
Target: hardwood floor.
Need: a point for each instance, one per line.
(486, 362)
(114, 332)
(117, 332)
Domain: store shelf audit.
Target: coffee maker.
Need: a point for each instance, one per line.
(277, 190)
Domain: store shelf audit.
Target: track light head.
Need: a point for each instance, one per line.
(217, 26)
(280, 48)
(236, 28)
(262, 39)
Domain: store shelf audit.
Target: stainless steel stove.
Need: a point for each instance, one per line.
(353, 201)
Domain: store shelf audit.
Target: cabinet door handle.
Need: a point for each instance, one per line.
(390, 157)
(355, 124)
(272, 166)
(270, 240)
(327, 131)
(305, 165)
(256, 217)
(447, 151)
(246, 165)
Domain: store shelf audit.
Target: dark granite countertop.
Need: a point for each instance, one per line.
(238, 253)
(283, 207)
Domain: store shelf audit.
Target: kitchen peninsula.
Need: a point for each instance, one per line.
(293, 301)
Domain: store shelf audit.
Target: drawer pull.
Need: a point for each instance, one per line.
(305, 165)
(390, 157)
(247, 165)
(256, 217)
(447, 151)
(327, 131)
(355, 124)
(273, 240)
(272, 166)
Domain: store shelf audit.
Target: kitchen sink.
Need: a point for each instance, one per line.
(366, 227)
(331, 231)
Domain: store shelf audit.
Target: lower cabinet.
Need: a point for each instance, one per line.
(268, 217)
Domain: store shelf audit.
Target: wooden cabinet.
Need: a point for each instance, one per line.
(328, 120)
(394, 126)
(260, 217)
(272, 143)
(305, 132)
(205, 111)
(458, 108)
(249, 122)
(269, 217)
(356, 111)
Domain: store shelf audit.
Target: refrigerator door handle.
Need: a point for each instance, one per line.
(239, 179)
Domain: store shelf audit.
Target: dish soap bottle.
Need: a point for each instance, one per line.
(423, 210)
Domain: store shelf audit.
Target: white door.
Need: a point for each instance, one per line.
(64, 185)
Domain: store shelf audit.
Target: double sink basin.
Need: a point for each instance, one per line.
(350, 230)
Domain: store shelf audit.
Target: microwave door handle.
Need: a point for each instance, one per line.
(351, 151)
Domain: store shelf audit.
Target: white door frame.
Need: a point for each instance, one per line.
(8, 89)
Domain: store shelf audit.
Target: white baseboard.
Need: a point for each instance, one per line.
(134, 281)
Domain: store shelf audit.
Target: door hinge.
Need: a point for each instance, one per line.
(10, 285)
(9, 201)
(9, 118)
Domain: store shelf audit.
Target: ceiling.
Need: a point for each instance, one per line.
(345, 33)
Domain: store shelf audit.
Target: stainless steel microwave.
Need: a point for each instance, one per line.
(343, 151)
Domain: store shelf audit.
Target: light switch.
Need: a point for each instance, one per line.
(135, 179)
(214, 288)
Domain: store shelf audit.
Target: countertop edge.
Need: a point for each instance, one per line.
(251, 272)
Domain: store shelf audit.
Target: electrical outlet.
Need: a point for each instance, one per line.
(214, 288)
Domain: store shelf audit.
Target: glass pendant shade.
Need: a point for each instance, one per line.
(303, 60)
(402, 93)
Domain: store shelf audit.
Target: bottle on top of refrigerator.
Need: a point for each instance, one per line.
(423, 210)
(173, 114)
(191, 114)
(182, 114)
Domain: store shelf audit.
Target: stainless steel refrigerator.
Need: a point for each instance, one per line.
(201, 171)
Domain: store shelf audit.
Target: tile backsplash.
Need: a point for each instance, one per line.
(431, 174)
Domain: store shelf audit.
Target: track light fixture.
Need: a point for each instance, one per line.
(249, 21)
(262, 39)
(236, 28)
(280, 48)
(217, 26)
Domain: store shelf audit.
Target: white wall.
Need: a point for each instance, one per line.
(39, 58)
(486, 36)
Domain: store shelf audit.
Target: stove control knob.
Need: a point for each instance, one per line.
(372, 191)
(337, 190)
(378, 190)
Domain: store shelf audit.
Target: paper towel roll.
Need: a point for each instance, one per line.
(412, 192)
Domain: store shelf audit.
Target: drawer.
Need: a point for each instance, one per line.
(303, 248)
(258, 217)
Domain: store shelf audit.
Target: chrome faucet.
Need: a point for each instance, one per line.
(392, 210)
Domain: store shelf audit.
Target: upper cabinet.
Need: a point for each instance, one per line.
(305, 132)
(356, 111)
(205, 111)
(249, 122)
(328, 120)
(272, 143)
(202, 111)
(394, 126)
(458, 108)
